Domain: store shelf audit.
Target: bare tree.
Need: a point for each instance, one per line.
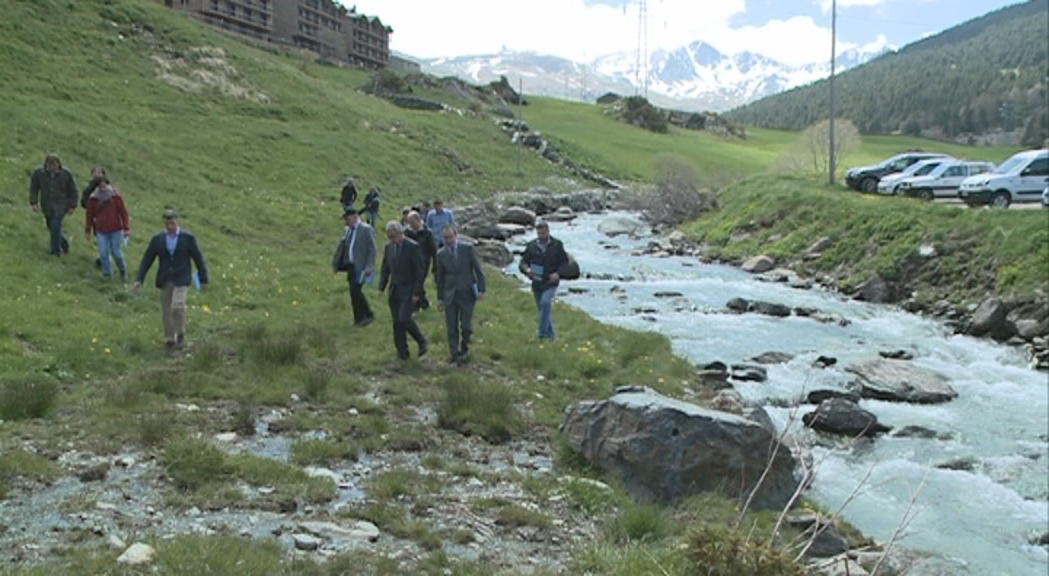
(677, 195)
(811, 154)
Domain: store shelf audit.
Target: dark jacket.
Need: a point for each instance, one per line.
(553, 258)
(371, 201)
(85, 195)
(459, 274)
(427, 246)
(349, 194)
(173, 268)
(55, 192)
(403, 272)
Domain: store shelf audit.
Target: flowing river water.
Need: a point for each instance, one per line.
(979, 519)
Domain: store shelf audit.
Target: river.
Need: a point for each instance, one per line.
(980, 521)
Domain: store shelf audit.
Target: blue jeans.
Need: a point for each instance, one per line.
(54, 225)
(111, 244)
(544, 300)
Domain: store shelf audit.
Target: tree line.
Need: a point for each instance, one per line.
(984, 76)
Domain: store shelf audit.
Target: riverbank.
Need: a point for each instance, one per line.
(985, 272)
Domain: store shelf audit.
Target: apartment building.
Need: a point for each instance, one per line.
(323, 27)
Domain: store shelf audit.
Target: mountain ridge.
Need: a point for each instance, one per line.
(696, 77)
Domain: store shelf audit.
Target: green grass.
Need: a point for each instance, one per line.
(978, 252)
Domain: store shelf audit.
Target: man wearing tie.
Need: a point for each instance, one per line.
(460, 283)
(356, 255)
(402, 270)
(175, 248)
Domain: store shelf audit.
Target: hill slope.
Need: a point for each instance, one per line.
(985, 76)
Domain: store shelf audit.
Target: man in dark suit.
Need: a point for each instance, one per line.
(175, 248)
(417, 231)
(402, 270)
(460, 283)
(356, 255)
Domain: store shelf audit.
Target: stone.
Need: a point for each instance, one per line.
(1029, 329)
(989, 317)
(914, 431)
(896, 354)
(818, 396)
(876, 291)
(769, 309)
(359, 531)
(620, 226)
(306, 542)
(137, 553)
(901, 381)
(494, 253)
(820, 245)
(664, 449)
(668, 294)
(749, 372)
(562, 214)
(518, 215)
(759, 264)
(963, 464)
(738, 305)
(773, 358)
(824, 361)
(841, 416)
(838, 566)
(226, 437)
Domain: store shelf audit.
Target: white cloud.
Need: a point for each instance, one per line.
(584, 29)
(826, 4)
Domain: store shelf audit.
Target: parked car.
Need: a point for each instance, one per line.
(865, 178)
(944, 180)
(1045, 197)
(1021, 178)
(889, 185)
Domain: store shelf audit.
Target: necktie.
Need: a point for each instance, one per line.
(349, 247)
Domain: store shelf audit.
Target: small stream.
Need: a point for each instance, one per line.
(980, 520)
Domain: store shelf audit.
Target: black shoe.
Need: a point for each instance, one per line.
(423, 348)
(170, 344)
(366, 321)
(403, 356)
(65, 245)
(455, 362)
(98, 263)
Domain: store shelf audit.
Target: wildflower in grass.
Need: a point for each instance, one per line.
(660, 380)
(205, 309)
(94, 340)
(107, 350)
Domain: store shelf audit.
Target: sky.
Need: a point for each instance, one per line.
(791, 31)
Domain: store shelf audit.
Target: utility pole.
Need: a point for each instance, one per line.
(520, 123)
(833, 37)
(641, 66)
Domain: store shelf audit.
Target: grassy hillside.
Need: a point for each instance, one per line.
(982, 76)
(250, 146)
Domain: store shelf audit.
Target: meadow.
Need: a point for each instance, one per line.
(251, 146)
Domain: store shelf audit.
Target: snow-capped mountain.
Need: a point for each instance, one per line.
(694, 77)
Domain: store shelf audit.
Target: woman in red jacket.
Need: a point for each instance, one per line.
(107, 218)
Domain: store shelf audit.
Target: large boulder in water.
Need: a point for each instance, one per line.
(841, 416)
(901, 381)
(664, 449)
(620, 226)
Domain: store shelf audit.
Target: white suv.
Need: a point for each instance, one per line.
(1021, 178)
(943, 180)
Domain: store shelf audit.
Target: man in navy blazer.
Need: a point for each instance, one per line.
(460, 283)
(175, 248)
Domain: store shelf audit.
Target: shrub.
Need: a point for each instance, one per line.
(677, 196)
(473, 407)
(28, 396)
(638, 523)
(192, 464)
(721, 551)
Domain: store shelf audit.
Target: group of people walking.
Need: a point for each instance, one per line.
(416, 245)
(52, 192)
(419, 244)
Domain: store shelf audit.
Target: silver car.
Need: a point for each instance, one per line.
(890, 185)
(944, 180)
(1045, 197)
